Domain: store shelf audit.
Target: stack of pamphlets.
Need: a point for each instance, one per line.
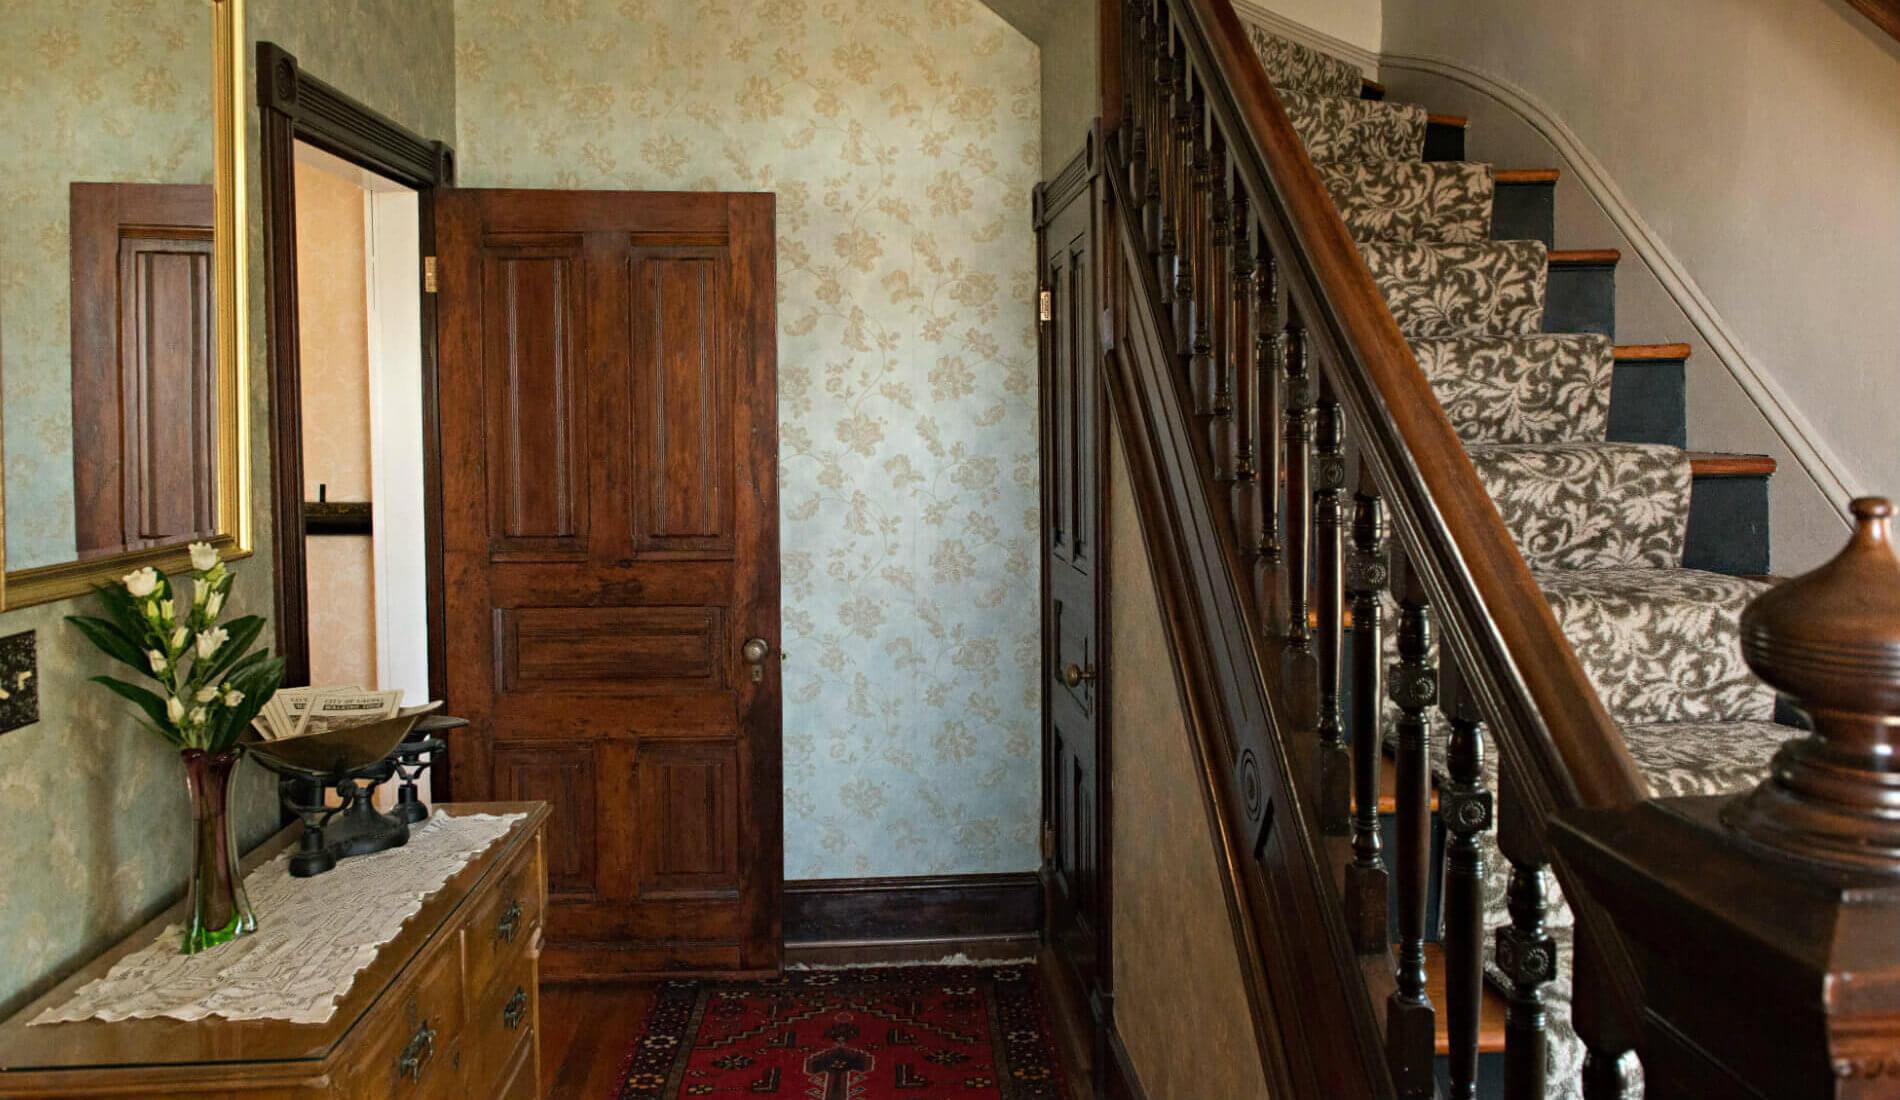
(306, 711)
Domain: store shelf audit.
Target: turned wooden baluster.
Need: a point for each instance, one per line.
(1302, 391)
(1464, 805)
(1329, 529)
(1249, 512)
(1161, 150)
(1220, 239)
(1366, 883)
(1414, 686)
(1594, 1013)
(1141, 88)
(1187, 222)
(1524, 952)
(1200, 273)
(1269, 352)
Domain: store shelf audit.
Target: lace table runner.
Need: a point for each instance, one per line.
(313, 936)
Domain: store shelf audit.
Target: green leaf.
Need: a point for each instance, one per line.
(152, 705)
(123, 610)
(258, 682)
(112, 641)
(242, 633)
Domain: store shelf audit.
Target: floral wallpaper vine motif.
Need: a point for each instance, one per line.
(902, 140)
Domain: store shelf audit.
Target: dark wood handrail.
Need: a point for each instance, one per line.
(1497, 616)
(1884, 13)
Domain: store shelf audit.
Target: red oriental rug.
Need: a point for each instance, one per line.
(897, 1033)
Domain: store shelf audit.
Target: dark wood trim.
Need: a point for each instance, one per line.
(914, 910)
(1116, 1078)
(338, 517)
(1885, 14)
(296, 106)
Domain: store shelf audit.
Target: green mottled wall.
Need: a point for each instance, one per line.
(902, 138)
(91, 807)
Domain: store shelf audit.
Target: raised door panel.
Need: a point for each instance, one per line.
(688, 816)
(682, 400)
(563, 776)
(611, 650)
(535, 382)
(169, 388)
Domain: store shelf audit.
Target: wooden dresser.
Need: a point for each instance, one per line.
(450, 1008)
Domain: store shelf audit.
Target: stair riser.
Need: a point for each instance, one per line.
(1443, 142)
(1490, 1074)
(1581, 298)
(1525, 212)
(1728, 526)
(1649, 402)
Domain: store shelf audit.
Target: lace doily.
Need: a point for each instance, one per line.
(313, 936)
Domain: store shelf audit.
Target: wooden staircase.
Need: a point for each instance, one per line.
(1294, 473)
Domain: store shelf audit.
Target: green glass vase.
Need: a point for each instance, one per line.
(220, 911)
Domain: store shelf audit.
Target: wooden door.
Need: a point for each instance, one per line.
(1074, 761)
(610, 544)
(145, 366)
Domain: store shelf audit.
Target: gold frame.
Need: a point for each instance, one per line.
(231, 274)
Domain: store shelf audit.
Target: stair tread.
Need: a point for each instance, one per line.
(1491, 1007)
(1527, 175)
(1460, 121)
(1389, 787)
(1640, 352)
(1585, 256)
(1723, 464)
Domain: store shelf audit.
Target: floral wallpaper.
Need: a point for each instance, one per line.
(89, 91)
(92, 807)
(902, 138)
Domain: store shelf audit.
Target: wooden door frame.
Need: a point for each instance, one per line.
(295, 106)
(1079, 181)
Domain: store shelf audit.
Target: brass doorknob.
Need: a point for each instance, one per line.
(755, 651)
(1076, 675)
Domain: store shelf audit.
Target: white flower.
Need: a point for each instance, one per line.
(203, 556)
(157, 661)
(206, 694)
(174, 709)
(141, 582)
(178, 638)
(214, 604)
(198, 593)
(210, 640)
(232, 697)
(197, 716)
(167, 611)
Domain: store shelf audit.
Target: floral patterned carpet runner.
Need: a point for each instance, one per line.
(898, 1033)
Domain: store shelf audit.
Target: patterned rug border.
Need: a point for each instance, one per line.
(679, 1005)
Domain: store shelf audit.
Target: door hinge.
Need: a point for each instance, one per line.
(428, 274)
(1046, 306)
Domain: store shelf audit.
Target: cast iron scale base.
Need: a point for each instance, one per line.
(353, 826)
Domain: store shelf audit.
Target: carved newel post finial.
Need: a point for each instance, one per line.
(1831, 641)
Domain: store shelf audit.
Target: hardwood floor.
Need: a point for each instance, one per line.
(586, 1032)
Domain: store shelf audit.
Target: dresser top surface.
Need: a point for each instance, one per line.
(165, 1042)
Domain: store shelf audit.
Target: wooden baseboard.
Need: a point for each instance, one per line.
(1119, 1081)
(912, 919)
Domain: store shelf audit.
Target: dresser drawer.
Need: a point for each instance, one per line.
(411, 1045)
(523, 1079)
(501, 1020)
(499, 930)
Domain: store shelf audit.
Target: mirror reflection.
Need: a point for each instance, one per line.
(108, 346)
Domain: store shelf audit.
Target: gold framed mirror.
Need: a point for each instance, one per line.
(124, 354)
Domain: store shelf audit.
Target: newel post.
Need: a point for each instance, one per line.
(1766, 926)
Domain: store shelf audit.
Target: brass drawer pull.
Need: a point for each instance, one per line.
(415, 1057)
(516, 1008)
(510, 922)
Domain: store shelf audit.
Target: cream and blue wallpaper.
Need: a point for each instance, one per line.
(91, 806)
(902, 140)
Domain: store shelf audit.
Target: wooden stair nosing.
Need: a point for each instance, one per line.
(1585, 257)
(1526, 175)
(1457, 122)
(1656, 353)
(1720, 464)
